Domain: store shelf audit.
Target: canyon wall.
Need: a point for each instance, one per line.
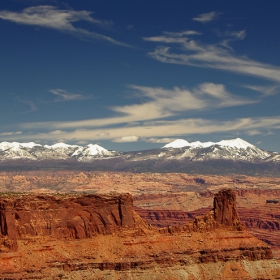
(101, 237)
(63, 216)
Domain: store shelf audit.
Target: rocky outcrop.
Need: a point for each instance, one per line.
(63, 216)
(100, 237)
(223, 215)
(225, 208)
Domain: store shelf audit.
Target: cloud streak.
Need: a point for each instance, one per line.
(207, 17)
(161, 129)
(218, 56)
(157, 103)
(61, 20)
(31, 104)
(159, 114)
(265, 90)
(63, 95)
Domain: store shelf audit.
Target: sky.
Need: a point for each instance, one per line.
(135, 75)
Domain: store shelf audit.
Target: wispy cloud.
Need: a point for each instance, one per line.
(56, 132)
(159, 140)
(125, 139)
(207, 17)
(102, 134)
(63, 95)
(9, 133)
(172, 37)
(157, 103)
(217, 56)
(240, 35)
(265, 90)
(158, 114)
(252, 132)
(31, 104)
(62, 20)
(160, 129)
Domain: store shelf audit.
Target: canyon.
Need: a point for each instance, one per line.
(86, 236)
(163, 204)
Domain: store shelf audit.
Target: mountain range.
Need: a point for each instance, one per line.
(225, 156)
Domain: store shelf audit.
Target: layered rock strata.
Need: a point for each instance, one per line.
(62, 216)
(100, 237)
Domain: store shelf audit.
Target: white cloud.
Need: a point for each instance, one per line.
(159, 140)
(265, 90)
(217, 56)
(158, 103)
(7, 133)
(56, 132)
(31, 104)
(252, 132)
(240, 35)
(131, 138)
(207, 17)
(103, 133)
(58, 19)
(172, 37)
(66, 96)
(159, 129)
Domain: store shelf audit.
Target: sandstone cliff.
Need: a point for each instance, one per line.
(63, 216)
(100, 237)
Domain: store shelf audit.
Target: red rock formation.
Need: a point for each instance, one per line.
(223, 214)
(98, 237)
(63, 217)
(225, 208)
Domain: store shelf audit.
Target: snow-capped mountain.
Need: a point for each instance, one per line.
(233, 143)
(91, 152)
(234, 149)
(58, 151)
(235, 155)
(178, 143)
(16, 150)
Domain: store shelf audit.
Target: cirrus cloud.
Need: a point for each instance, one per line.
(218, 56)
(207, 17)
(150, 131)
(157, 103)
(61, 20)
(63, 95)
(124, 139)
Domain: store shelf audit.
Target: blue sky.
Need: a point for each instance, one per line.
(133, 75)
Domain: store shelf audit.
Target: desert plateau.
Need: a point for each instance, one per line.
(120, 225)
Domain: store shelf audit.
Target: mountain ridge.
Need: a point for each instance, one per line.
(223, 157)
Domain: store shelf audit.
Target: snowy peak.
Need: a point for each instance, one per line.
(58, 151)
(96, 150)
(178, 143)
(236, 143)
(16, 145)
(198, 144)
(234, 149)
(92, 150)
(60, 146)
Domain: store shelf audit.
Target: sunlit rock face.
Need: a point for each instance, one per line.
(63, 216)
(101, 237)
(225, 208)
